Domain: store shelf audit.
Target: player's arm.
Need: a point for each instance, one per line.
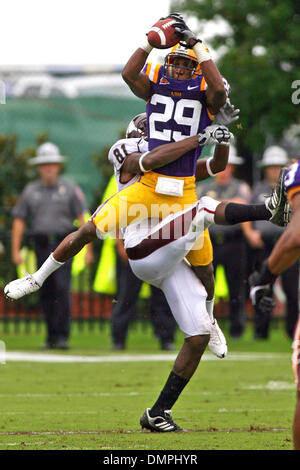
(287, 249)
(132, 74)
(137, 163)
(89, 257)
(285, 253)
(215, 92)
(211, 166)
(157, 157)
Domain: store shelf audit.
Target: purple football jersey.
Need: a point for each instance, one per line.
(176, 110)
(292, 178)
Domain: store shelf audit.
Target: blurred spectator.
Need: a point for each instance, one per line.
(124, 309)
(228, 241)
(262, 237)
(51, 205)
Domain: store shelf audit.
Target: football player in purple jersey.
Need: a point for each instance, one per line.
(183, 96)
(285, 253)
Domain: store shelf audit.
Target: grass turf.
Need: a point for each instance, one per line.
(228, 404)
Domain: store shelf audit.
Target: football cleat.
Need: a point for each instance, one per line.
(20, 287)
(217, 343)
(277, 202)
(163, 423)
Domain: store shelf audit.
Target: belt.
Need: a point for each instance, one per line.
(150, 179)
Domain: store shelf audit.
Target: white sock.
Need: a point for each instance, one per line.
(47, 268)
(210, 205)
(210, 309)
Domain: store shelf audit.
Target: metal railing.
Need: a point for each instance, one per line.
(88, 307)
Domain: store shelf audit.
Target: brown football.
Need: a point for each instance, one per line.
(162, 34)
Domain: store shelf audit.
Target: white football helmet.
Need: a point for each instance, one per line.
(137, 127)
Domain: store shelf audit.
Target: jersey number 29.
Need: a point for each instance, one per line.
(174, 110)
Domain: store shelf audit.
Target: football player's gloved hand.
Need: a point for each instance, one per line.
(183, 30)
(176, 16)
(227, 114)
(214, 134)
(261, 293)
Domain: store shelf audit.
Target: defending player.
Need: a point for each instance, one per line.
(158, 259)
(285, 253)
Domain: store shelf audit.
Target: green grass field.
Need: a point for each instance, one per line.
(243, 402)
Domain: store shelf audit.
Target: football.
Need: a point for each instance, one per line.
(162, 35)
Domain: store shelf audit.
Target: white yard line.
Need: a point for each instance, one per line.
(20, 356)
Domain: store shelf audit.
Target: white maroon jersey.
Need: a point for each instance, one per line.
(120, 151)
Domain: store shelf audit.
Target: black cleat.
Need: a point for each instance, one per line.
(277, 202)
(163, 423)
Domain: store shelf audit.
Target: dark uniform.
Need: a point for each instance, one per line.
(229, 249)
(289, 278)
(51, 211)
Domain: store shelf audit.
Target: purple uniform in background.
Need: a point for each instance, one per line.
(292, 179)
(292, 186)
(176, 110)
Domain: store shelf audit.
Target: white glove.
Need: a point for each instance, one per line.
(227, 114)
(213, 135)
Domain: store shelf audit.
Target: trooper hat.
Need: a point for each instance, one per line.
(47, 153)
(274, 156)
(233, 158)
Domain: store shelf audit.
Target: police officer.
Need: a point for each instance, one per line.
(51, 204)
(228, 241)
(262, 237)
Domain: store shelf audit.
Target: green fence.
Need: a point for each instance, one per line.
(80, 127)
(90, 304)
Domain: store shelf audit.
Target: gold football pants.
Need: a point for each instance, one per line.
(139, 201)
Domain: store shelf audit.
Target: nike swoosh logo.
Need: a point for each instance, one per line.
(192, 87)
